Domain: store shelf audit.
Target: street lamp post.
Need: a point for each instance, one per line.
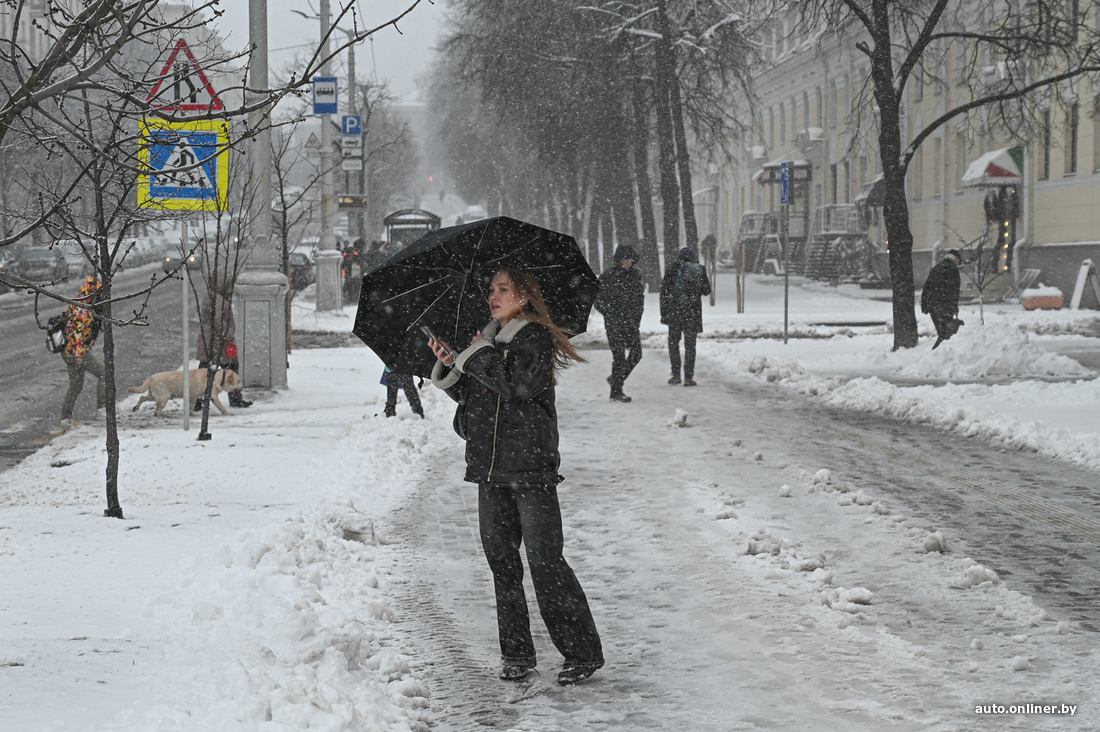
(330, 295)
(259, 294)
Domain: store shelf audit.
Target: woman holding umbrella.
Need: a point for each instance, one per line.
(504, 386)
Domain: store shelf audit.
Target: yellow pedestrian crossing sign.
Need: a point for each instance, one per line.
(187, 163)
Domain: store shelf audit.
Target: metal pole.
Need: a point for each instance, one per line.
(259, 292)
(786, 268)
(330, 294)
(186, 334)
(353, 108)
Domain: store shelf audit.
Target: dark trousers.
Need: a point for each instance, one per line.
(89, 364)
(406, 382)
(626, 352)
(674, 333)
(236, 398)
(942, 322)
(530, 513)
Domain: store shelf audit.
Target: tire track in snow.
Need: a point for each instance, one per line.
(1059, 517)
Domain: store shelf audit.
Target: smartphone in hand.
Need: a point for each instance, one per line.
(432, 336)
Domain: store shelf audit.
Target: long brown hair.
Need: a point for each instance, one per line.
(535, 310)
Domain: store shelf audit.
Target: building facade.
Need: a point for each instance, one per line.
(815, 111)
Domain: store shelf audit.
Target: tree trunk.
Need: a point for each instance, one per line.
(895, 208)
(626, 224)
(666, 67)
(650, 261)
(666, 164)
(114, 508)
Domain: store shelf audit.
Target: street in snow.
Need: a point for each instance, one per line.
(821, 535)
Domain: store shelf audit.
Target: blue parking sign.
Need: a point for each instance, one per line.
(784, 184)
(351, 124)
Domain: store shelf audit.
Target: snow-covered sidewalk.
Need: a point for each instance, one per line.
(261, 580)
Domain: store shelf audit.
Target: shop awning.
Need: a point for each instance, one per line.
(873, 192)
(1002, 167)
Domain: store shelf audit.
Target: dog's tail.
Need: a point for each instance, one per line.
(143, 387)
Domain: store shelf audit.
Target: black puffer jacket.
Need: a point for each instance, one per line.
(504, 387)
(621, 299)
(685, 281)
(940, 294)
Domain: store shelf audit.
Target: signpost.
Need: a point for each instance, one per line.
(187, 164)
(182, 85)
(351, 124)
(784, 202)
(351, 142)
(351, 152)
(325, 95)
(355, 201)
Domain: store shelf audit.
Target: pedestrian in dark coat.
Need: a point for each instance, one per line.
(407, 382)
(684, 283)
(217, 343)
(504, 386)
(940, 296)
(621, 300)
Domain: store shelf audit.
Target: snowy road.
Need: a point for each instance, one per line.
(700, 635)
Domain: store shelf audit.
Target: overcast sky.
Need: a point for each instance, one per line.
(399, 58)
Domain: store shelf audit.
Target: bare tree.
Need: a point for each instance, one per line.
(78, 90)
(1033, 46)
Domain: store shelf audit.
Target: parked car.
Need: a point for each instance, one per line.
(41, 264)
(74, 255)
(303, 273)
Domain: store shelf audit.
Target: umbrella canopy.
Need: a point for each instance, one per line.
(441, 281)
(996, 168)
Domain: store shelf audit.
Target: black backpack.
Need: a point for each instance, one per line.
(55, 333)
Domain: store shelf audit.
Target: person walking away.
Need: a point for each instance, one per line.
(82, 326)
(394, 382)
(375, 256)
(684, 283)
(621, 301)
(940, 296)
(217, 343)
(504, 385)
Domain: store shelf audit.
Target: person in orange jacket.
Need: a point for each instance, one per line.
(82, 326)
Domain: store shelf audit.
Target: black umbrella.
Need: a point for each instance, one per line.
(441, 279)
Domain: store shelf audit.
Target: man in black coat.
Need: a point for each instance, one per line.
(621, 300)
(685, 281)
(940, 296)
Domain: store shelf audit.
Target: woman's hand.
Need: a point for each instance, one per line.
(478, 338)
(442, 351)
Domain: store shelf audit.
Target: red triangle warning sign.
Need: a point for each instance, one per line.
(182, 86)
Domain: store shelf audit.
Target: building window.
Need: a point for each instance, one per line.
(833, 108)
(819, 105)
(847, 181)
(805, 110)
(1044, 163)
(1096, 142)
(937, 153)
(918, 174)
(833, 180)
(960, 160)
(771, 129)
(1072, 118)
(918, 84)
(782, 126)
